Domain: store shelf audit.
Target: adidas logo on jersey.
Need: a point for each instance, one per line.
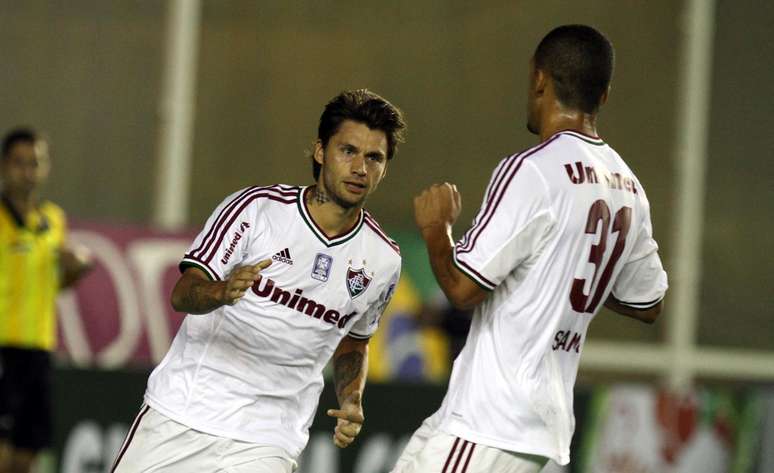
(283, 256)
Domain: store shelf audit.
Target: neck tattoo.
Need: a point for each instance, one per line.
(318, 196)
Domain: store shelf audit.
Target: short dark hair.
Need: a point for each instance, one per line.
(580, 61)
(20, 134)
(365, 107)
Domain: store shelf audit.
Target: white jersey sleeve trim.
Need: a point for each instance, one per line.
(470, 272)
(638, 305)
(190, 261)
(357, 336)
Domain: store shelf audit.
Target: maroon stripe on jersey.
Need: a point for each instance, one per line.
(224, 213)
(129, 437)
(375, 227)
(451, 454)
(282, 187)
(201, 263)
(459, 457)
(279, 199)
(236, 214)
(467, 461)
(491, 191)
(476, 273)
(587, 135)
(497, 190)
(499, 173)
(379, 228)
(492, 206)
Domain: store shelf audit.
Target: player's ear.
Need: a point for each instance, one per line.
(318, 155)
(541, 82)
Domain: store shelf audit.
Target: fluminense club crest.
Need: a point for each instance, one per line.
(357, 281)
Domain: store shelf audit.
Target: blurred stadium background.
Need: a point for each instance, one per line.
(156, 110)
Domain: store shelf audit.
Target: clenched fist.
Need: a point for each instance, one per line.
(437, 206)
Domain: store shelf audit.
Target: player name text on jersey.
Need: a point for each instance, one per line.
(562, 341)
(590, 175)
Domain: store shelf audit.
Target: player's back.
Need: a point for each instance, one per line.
(600, 217)
(559, 223)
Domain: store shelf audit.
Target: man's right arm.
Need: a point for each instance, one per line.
(641, 285)
(194, 293)
(648, 315)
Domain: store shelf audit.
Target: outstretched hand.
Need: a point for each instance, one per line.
(241, 279)
(349, 420)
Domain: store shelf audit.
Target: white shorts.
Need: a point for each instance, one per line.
(434, 451)
(156, 443)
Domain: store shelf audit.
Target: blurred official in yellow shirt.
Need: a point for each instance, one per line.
(35, 263)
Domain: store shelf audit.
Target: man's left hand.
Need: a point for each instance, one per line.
(349, 420)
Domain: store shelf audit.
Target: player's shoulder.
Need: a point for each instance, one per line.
(257, 196)
(528, 156)
(542, 158)
(379, 236)
(565, 143)
(54, 213)
(520, 167)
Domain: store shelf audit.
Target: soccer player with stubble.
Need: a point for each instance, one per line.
(280, 280)
(563, 229)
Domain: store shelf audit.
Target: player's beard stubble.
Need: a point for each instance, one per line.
(331, 192)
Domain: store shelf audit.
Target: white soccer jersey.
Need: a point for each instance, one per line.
(562, 225)
(253, 371)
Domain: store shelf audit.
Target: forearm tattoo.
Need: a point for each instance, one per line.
(198, 298)
(346, 368)
(317, 196)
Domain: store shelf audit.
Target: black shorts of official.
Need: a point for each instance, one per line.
(25, 398)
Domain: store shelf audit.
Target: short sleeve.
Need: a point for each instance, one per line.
(366, 325)
(61, 223)
(221, 244)
(642, 281)
(512, 225)
(54, 219)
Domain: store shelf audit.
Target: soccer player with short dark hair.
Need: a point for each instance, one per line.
(564, 228)
(280, 280)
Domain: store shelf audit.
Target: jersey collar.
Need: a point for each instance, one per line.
(19, 219)
(327, 241)
(594, 140)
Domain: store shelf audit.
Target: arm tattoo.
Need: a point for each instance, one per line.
(197, 299)
(346, 368)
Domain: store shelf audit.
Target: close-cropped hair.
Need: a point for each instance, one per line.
(580, 60)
